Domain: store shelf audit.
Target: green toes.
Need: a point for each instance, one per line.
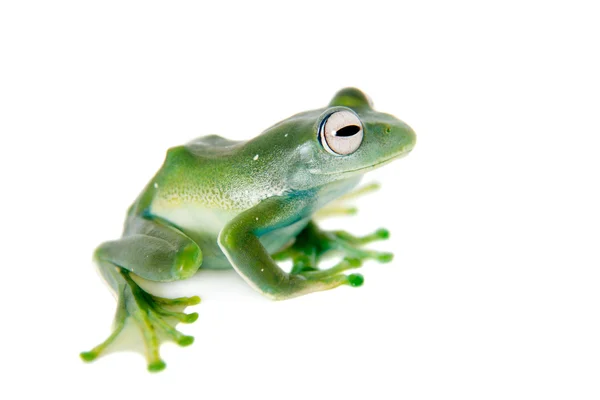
(181, 317)
(185, 341)
(351, 245)
(382, 233)
(303, 263)
(157, 366)
(334, 211)
(153, 316)
(356, 280)
(344, 265)
(88, 356)
(334, 274)
(384, 257)
(180, 301)
(379, 234)
(353, 262)
(312, 245)
(119, 324)
(189, 318)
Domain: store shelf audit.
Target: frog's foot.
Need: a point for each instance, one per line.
(154, 316)
(351, 245)
(313, 244)
(333, 274)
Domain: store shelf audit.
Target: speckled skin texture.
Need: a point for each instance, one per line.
(217, 203)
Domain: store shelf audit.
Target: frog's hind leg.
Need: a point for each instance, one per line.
(313, 244)
(148, 312)
(156, 252)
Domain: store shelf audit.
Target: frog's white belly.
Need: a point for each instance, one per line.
(203, 225)
(196, 219)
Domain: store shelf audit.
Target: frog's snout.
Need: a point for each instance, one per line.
(412, 140)
(404, 138)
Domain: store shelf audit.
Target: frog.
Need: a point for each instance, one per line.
(249, 206)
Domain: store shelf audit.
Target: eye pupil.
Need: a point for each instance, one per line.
(341, 133)
(349, 130)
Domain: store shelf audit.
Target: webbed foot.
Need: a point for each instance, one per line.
(154, 316)
(313, 244)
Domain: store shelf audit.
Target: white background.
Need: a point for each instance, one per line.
(494, 291)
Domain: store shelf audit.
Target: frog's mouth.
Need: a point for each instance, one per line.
(372, 166)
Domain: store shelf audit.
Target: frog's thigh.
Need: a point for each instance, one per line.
(153, 251)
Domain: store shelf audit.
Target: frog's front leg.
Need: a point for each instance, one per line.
(156, 252)
(240, 242)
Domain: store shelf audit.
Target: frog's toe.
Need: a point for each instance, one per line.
(352, 245)
(329, 279)
(88, 356)
(336, 272)
(156, 318)
(179, 301)
(384, 257)
(303, 263)
(379, 234)
(159, 323)
(179, 316)
(355, 280)
(118, 326)
(156, 366)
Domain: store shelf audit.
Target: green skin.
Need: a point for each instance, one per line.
(217, 203)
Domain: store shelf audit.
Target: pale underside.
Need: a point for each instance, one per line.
(203, 225)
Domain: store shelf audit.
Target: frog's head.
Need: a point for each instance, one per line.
(345, 139)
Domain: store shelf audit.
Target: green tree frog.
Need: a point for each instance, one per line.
(218, 203)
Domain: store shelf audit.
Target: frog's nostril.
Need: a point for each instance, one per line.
(388, 129)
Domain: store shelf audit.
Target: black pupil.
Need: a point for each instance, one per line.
(349, 130)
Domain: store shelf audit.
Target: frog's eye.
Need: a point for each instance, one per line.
(341, 133)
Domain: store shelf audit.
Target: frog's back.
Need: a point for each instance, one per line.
(200, 174)
(213, 146)
(192, 161)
